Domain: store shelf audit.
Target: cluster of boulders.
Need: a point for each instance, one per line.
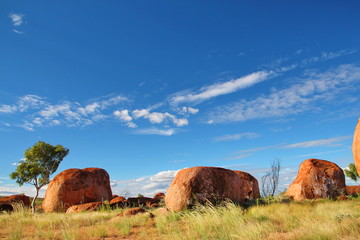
(78, 190)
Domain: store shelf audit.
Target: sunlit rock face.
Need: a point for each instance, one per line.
(317, 179)
(77, 186)
(251, 185)
(356, 147)
(203, 184)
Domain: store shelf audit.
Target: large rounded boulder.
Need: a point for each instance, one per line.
(77, 186)
(356, 147)
(202, 184)
(251, 185)
(317, 179)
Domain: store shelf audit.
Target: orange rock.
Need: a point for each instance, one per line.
(251, 185)
(119, 202)
(77, 186)
(353, 190)
(135, 211)
(202, 184)
(159, 196)
(114, 196)
(86, 207)
(317, 179)
(117, 199)
(141, 201)
(21, 198)
(356, 147)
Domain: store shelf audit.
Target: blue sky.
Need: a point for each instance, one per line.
(143, 89)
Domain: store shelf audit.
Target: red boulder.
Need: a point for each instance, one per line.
(77, 186)
(317, 179)
(86, 207)
(202, 184)
(16, 199)
(356, 147)
(251, 185)
(353, 190)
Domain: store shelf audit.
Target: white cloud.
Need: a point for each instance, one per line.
(330, 142)
(158, 117)
(7, 109)
(316, 87)
(219, 89)
(123, 115)
(238, 136)
(148, 186)
(155, 131)
(190, 110)
(140, 113)
(17, 19)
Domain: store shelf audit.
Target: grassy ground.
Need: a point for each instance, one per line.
(322, 220)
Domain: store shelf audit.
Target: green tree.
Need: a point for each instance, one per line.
(41, 160)
(351, 172)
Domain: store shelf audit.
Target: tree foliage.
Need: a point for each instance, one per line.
(351, 172)
(40, 161)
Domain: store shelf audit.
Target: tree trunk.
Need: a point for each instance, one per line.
(34, 199)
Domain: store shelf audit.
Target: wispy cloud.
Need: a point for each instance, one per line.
(316, 154)
(330, 142)
(17, 31)
(219, 89)
(155, 131)
(237, 136)
(39, 112)
(159, 117)
(17, 19)
(314, 88)
(328, 55)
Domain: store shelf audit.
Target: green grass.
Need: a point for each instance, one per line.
(266, 219)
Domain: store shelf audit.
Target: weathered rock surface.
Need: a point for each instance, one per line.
(356, 147)
(251, 185)
(16, 199)
(317, 179)
(159, 196)
(77, 186)
(201, 184)
(86, 207)
(141, 201)
(119, 202)
(135, 211)
(353, 190)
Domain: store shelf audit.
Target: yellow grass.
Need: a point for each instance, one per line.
(322, 220)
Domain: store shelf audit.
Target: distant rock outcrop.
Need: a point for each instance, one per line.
(141, 201)
(119, 202)
(353, 190)
(135, 211)
(317, 179)
(356, 147)
(77, 186)
(202, 184)
(159, 196)
(86, 207)
(251, 185)
(16, 199)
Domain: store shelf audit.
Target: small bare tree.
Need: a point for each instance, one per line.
(270, 181)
